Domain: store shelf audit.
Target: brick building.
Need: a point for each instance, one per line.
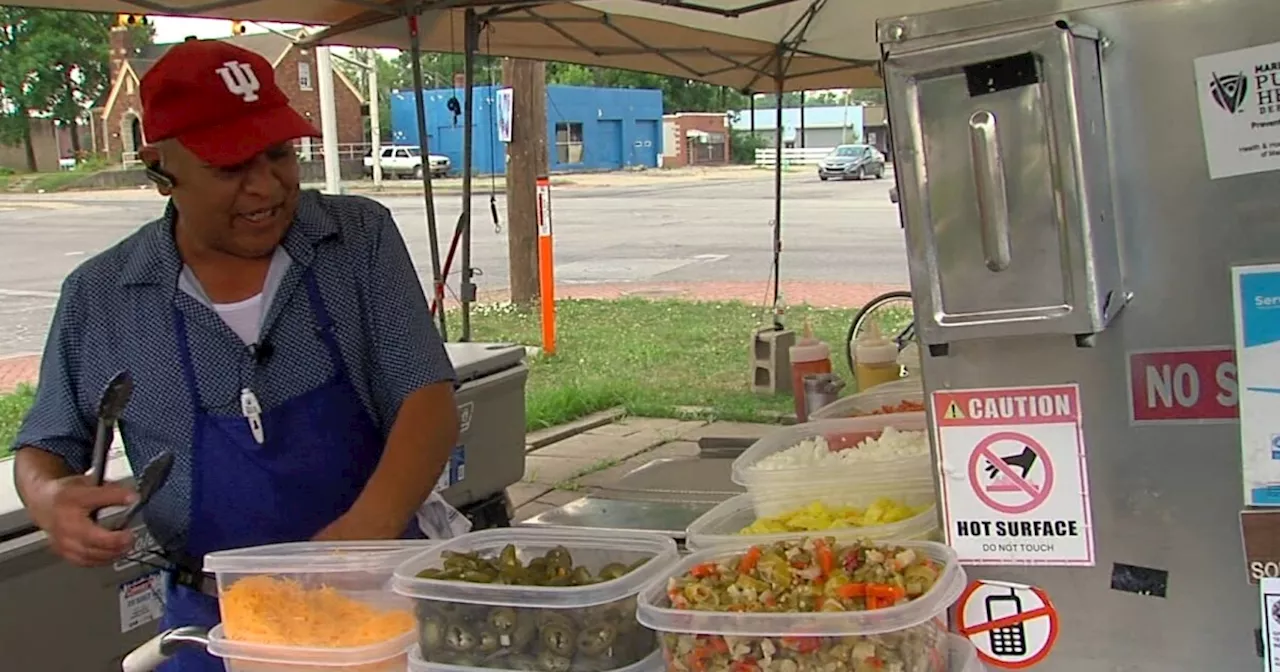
(120, 134)
(695, 139)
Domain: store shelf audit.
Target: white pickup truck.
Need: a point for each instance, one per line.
(406, 161)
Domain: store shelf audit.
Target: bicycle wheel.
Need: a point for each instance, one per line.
(898, 321)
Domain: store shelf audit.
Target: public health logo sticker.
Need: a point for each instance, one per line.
(1229, 91)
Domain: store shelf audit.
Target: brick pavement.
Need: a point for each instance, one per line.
(25, 368)
(17, 369)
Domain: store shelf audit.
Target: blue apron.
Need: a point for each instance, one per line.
(319, 450)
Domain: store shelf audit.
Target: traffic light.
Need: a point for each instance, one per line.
(237, 28)
(131, 20)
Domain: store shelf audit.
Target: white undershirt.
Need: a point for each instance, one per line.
(244, 317)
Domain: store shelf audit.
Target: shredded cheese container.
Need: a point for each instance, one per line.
(903, 396)
(541, 598)
(727, 523)
(311, 605)
(917, 629)
(827, 458)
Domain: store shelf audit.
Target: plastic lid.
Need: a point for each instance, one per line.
(873, 348)
(592, 548)
(222, 647)
(655, 613)
(309, 557)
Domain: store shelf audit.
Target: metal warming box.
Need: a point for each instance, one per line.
(490, 395)
(61, 617)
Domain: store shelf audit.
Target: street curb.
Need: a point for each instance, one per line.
(544, 437)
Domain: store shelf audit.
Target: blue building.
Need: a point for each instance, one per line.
(587, 128)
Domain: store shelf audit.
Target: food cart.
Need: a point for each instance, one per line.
(1087, 193)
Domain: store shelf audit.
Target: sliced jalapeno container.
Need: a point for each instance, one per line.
(724, 523)
(914, 633)
(417, 663)
(547, 599)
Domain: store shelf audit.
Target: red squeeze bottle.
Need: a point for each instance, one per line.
(809, 356)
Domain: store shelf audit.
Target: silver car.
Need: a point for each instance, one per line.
(852, 162)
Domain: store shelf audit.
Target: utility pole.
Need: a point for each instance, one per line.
(375, 122)
(328, 121)
(527, 159)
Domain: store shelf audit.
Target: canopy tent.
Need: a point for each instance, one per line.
(758, 46)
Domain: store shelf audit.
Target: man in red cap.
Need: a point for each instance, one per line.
(279, 342)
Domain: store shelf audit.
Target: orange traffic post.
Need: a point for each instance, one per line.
(546, 267)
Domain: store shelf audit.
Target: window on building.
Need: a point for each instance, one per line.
(569, 142)
(304, 75)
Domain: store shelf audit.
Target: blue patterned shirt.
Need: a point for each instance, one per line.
(116, 312)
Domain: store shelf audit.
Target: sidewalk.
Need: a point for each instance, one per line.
(18, 369)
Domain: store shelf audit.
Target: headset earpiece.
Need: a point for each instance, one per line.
(159, 176)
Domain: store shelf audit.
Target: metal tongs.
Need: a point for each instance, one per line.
(110, 407)
(152, 479)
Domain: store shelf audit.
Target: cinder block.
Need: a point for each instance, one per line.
(771, 360)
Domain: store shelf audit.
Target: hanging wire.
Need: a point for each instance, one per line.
(493, 128)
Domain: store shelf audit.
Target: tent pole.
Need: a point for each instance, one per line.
(777, 206)
(424, 146)
(469, 40)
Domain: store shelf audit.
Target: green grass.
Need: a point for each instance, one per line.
(12, 408)
(654, 358)
(651, 357)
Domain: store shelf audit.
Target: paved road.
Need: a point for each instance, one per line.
(686, 232)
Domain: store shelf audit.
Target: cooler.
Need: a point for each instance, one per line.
(61, 617)
(490, 451)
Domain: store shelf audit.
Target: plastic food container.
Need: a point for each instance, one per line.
(389, 656)
(964, 658)
(501, 626)
(723, 524)
(917, 631)
(906, 474)
(872, 400)
(349, 575)
(419, 664)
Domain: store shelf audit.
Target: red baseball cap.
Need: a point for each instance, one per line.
(220, 101)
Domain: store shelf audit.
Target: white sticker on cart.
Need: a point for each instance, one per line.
(1239, 93)
(141, 601)
(1011, 625)
(1013, 476)
(465, 413)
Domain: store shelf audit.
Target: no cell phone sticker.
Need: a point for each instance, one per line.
(1013, 626)
(1013, 485)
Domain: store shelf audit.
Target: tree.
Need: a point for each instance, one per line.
(54, 63)
(678, 95)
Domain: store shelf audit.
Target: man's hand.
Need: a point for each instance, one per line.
(62, 508)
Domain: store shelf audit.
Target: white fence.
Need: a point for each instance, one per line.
(792, 156)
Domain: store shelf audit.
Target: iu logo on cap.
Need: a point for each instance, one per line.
(240, 80)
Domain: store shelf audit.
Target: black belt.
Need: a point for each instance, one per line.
(187, 573)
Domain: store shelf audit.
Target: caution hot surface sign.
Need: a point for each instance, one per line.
(1013, 475)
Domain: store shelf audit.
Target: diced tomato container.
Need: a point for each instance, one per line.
(903, 396)
(910, 637)
(909, 473)
(321, 575)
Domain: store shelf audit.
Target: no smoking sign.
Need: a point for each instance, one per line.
(1013, 484)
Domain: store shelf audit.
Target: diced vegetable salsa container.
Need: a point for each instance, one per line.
(902, 515)
(903, 396)
(417, 663)
(964, 658)
(752, 608)
(550, 599)
(310, 604)
(830, 457)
